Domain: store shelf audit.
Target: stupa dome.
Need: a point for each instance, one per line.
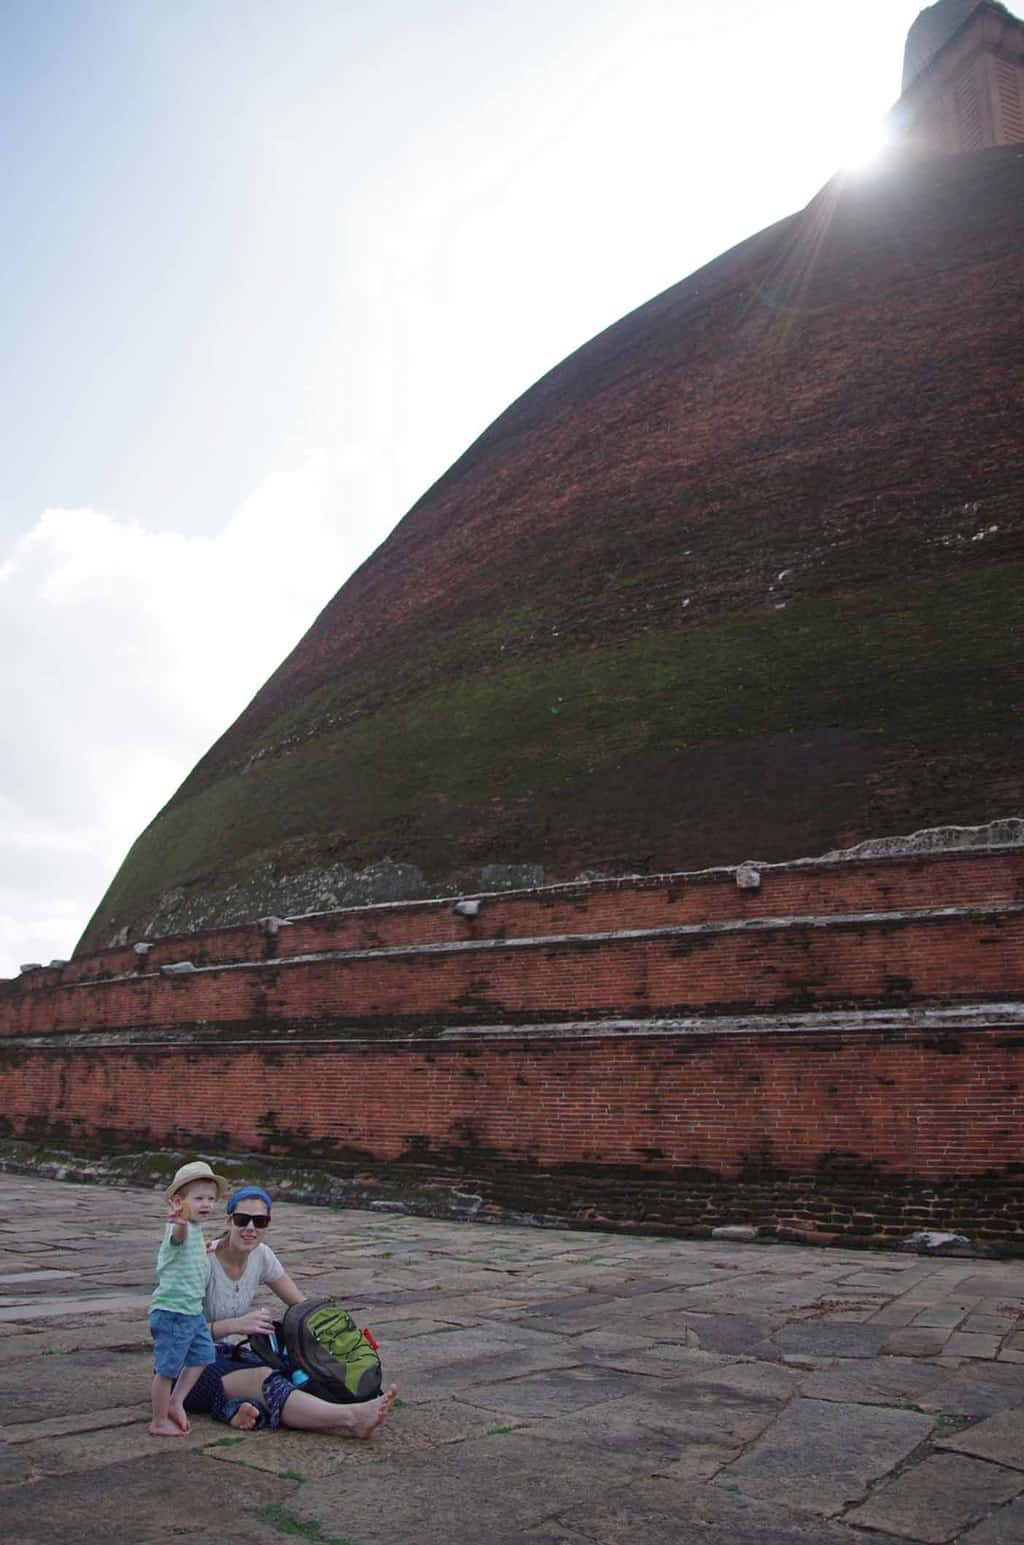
(740, 578)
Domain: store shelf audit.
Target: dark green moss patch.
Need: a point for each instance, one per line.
(586, 752)
(277, 1517)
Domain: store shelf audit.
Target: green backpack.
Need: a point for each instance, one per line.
(321, 1349)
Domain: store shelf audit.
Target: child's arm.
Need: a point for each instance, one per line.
(178, 1215)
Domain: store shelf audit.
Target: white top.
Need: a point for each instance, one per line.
(224, 1299)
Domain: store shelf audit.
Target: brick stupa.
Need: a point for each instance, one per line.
(740, 577)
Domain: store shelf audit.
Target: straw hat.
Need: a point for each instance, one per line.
(197, 1170)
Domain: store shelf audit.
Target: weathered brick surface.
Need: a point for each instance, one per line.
(798, 1130)
(971, 878)
(791, 482)
(788, 965)
(949, 1104)
(887, 884)
(857, 1132)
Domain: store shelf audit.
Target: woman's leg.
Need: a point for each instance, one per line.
(210, 1398)
(309, 1414)
(289, 1407)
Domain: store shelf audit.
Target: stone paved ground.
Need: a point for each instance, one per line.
(556, 1386)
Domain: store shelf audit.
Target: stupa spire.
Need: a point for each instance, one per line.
(963, 78)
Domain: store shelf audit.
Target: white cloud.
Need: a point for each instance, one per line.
(125, 652)
(406, 252)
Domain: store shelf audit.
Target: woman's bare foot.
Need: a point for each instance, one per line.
(368, 1416)
(180, 1420)
(246, 1417)
(164, 1429)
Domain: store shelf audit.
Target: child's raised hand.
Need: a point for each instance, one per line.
(178, 1210)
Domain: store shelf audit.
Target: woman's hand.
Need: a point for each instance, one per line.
(258, 1322)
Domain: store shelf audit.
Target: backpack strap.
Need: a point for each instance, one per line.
(271, 1350)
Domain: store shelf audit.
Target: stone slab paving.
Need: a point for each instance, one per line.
(557, 1388)
(976, 1394)
(999, 1437)
(154, 1497)
(938, 1499)
(825, 1455)
(664, 1513)
(919, 1341)
(1003, 1527)
(882, 1381)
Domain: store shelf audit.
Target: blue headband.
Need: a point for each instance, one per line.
(240, 1196)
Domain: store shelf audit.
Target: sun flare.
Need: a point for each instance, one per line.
(864, 145)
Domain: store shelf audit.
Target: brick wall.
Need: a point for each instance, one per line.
(850, 1133)
(788, 965)
(836, 1054)
(981, 877)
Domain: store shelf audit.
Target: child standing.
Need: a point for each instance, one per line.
(181, 1337)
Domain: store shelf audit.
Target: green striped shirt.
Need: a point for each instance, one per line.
(181, 1272)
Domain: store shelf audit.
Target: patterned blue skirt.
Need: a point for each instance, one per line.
(207, 1396)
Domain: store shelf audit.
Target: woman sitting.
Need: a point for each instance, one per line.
(238, 1388)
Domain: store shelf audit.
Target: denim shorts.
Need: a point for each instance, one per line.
(179, 1341)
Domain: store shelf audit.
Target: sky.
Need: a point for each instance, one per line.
(270, 266)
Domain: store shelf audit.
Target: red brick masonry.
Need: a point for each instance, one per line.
(840, 1051)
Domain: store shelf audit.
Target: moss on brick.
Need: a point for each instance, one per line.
(740, 575)
(933, 663)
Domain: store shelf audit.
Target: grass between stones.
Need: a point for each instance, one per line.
(948, 1423)
(277, 1517)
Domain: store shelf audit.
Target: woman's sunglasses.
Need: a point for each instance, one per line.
(243, 1219)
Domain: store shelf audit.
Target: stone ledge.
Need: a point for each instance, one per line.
(922, 1018)
(828, 921)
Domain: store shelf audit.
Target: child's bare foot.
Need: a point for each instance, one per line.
(180, 1420)
(369, 1416)
(246, 1417)
(164, 1429)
